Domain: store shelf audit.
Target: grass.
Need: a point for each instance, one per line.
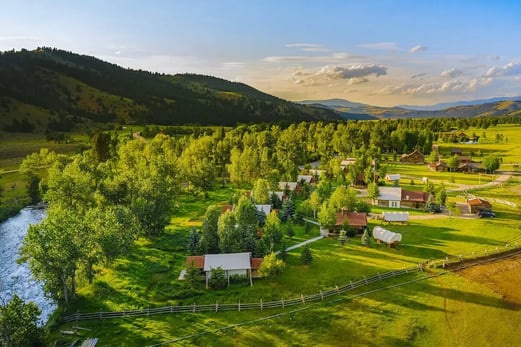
(416, 314)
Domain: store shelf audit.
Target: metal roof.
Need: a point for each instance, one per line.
(227, 261)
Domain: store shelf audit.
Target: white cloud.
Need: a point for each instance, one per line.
(385, 46)
(438, 87)
(339, 57)
(510, 69)
(352, 71)
(417, 49)
(308, 47)
(451, 73)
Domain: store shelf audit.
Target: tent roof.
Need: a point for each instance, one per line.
(227, 261)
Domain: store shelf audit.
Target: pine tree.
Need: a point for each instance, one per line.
(193, 242)
(306, 257)
(283, 254)
(289, 230)
(366, 239)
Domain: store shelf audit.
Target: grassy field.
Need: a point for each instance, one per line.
(432, 312)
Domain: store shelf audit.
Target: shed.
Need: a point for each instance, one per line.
(386, 236)
(231, 263)
(475, 205)
(401, 217)
(389, 196)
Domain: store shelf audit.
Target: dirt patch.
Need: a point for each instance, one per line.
(502, 276)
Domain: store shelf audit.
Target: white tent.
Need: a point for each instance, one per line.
(395, 216)
(386, 236)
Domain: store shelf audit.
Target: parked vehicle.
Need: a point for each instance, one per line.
(486, 214)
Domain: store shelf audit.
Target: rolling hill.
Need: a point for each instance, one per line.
(496, 108)
(51, 86)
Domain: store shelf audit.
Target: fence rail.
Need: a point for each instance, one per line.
(511, 248)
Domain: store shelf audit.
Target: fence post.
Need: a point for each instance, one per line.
(365, 279)
(239, 305)
(351, 284)
(171, 309)
(302, 298)
(193, 309)
(282, 301)
(321, 295)
(100, 313)
(77, 315)
(262, 307)
(216, 306)
(336, 287)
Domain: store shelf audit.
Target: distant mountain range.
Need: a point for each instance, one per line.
(486, 107)
(58, 88)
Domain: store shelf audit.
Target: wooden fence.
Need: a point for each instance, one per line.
(484, 255)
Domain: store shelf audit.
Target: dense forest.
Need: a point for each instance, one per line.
(50, 85)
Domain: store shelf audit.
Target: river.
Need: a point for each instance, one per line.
(16, 278)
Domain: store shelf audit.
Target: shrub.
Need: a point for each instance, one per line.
(218, 279)
(271, 266)
(306, 257)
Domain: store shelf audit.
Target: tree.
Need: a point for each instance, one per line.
(343, 197)
(271, 266)
(366, 239)
(453, 163)
(283, 254)
(307, 228)
(192, 276)
(433, 157)
(314, 200)
(451, 207)
(260, 248)
(373, 191)
(342, 237)
(441, 195)
(209, 230)
(272, 232)
(247, 223)
(288, 210)
(217, 278)
(18, 323)
(327, 216)
(289, 230)
(306, 257)
(491, 163)
(261, 193)
(324, 189)
(101, 146)
(193, 242)
(196, 164)
(230, 237)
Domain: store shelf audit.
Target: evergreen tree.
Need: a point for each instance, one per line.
(365, 239)
(306, 257)
(260, 248)
(283, 254)
(217, 278)
(288, 210)
(193, 242)
(192, 276)
(289, 230)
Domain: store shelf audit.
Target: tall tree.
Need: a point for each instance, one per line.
(230, 238)
(314, 200)
(261, 193)
(209, 230)
(18, 323)
(101, 143)
(247, 223)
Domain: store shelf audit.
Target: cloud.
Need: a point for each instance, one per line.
(451, 73)
(417, 49)
(308, 47)
(510, 69)
(18, 38)
(385, 46)
(353, 71)
(338, 57)
(418, 75)
(438, 87)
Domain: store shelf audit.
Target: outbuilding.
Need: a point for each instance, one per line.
(383, 235)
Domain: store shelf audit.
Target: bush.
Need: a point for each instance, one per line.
(218, 279)
(271, 266)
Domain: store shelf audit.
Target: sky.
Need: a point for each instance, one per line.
(379, 52)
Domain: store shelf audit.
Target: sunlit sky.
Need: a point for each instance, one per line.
(372, 51)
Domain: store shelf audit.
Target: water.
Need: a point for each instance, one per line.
(16, 278)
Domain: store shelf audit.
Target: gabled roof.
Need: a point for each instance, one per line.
(390, 193)
(197, 260)
(477, 202)
(415, 152)
(354, 219)
(409, 195)
(227, 261)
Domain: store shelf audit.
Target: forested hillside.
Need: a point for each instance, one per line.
(51, 86)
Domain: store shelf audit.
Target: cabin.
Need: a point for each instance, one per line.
(475, 205)
(414, 199)
(356, 220)
(389, 197)
(399, 217)
(415, 157)
(439, 166)
(392, 239)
